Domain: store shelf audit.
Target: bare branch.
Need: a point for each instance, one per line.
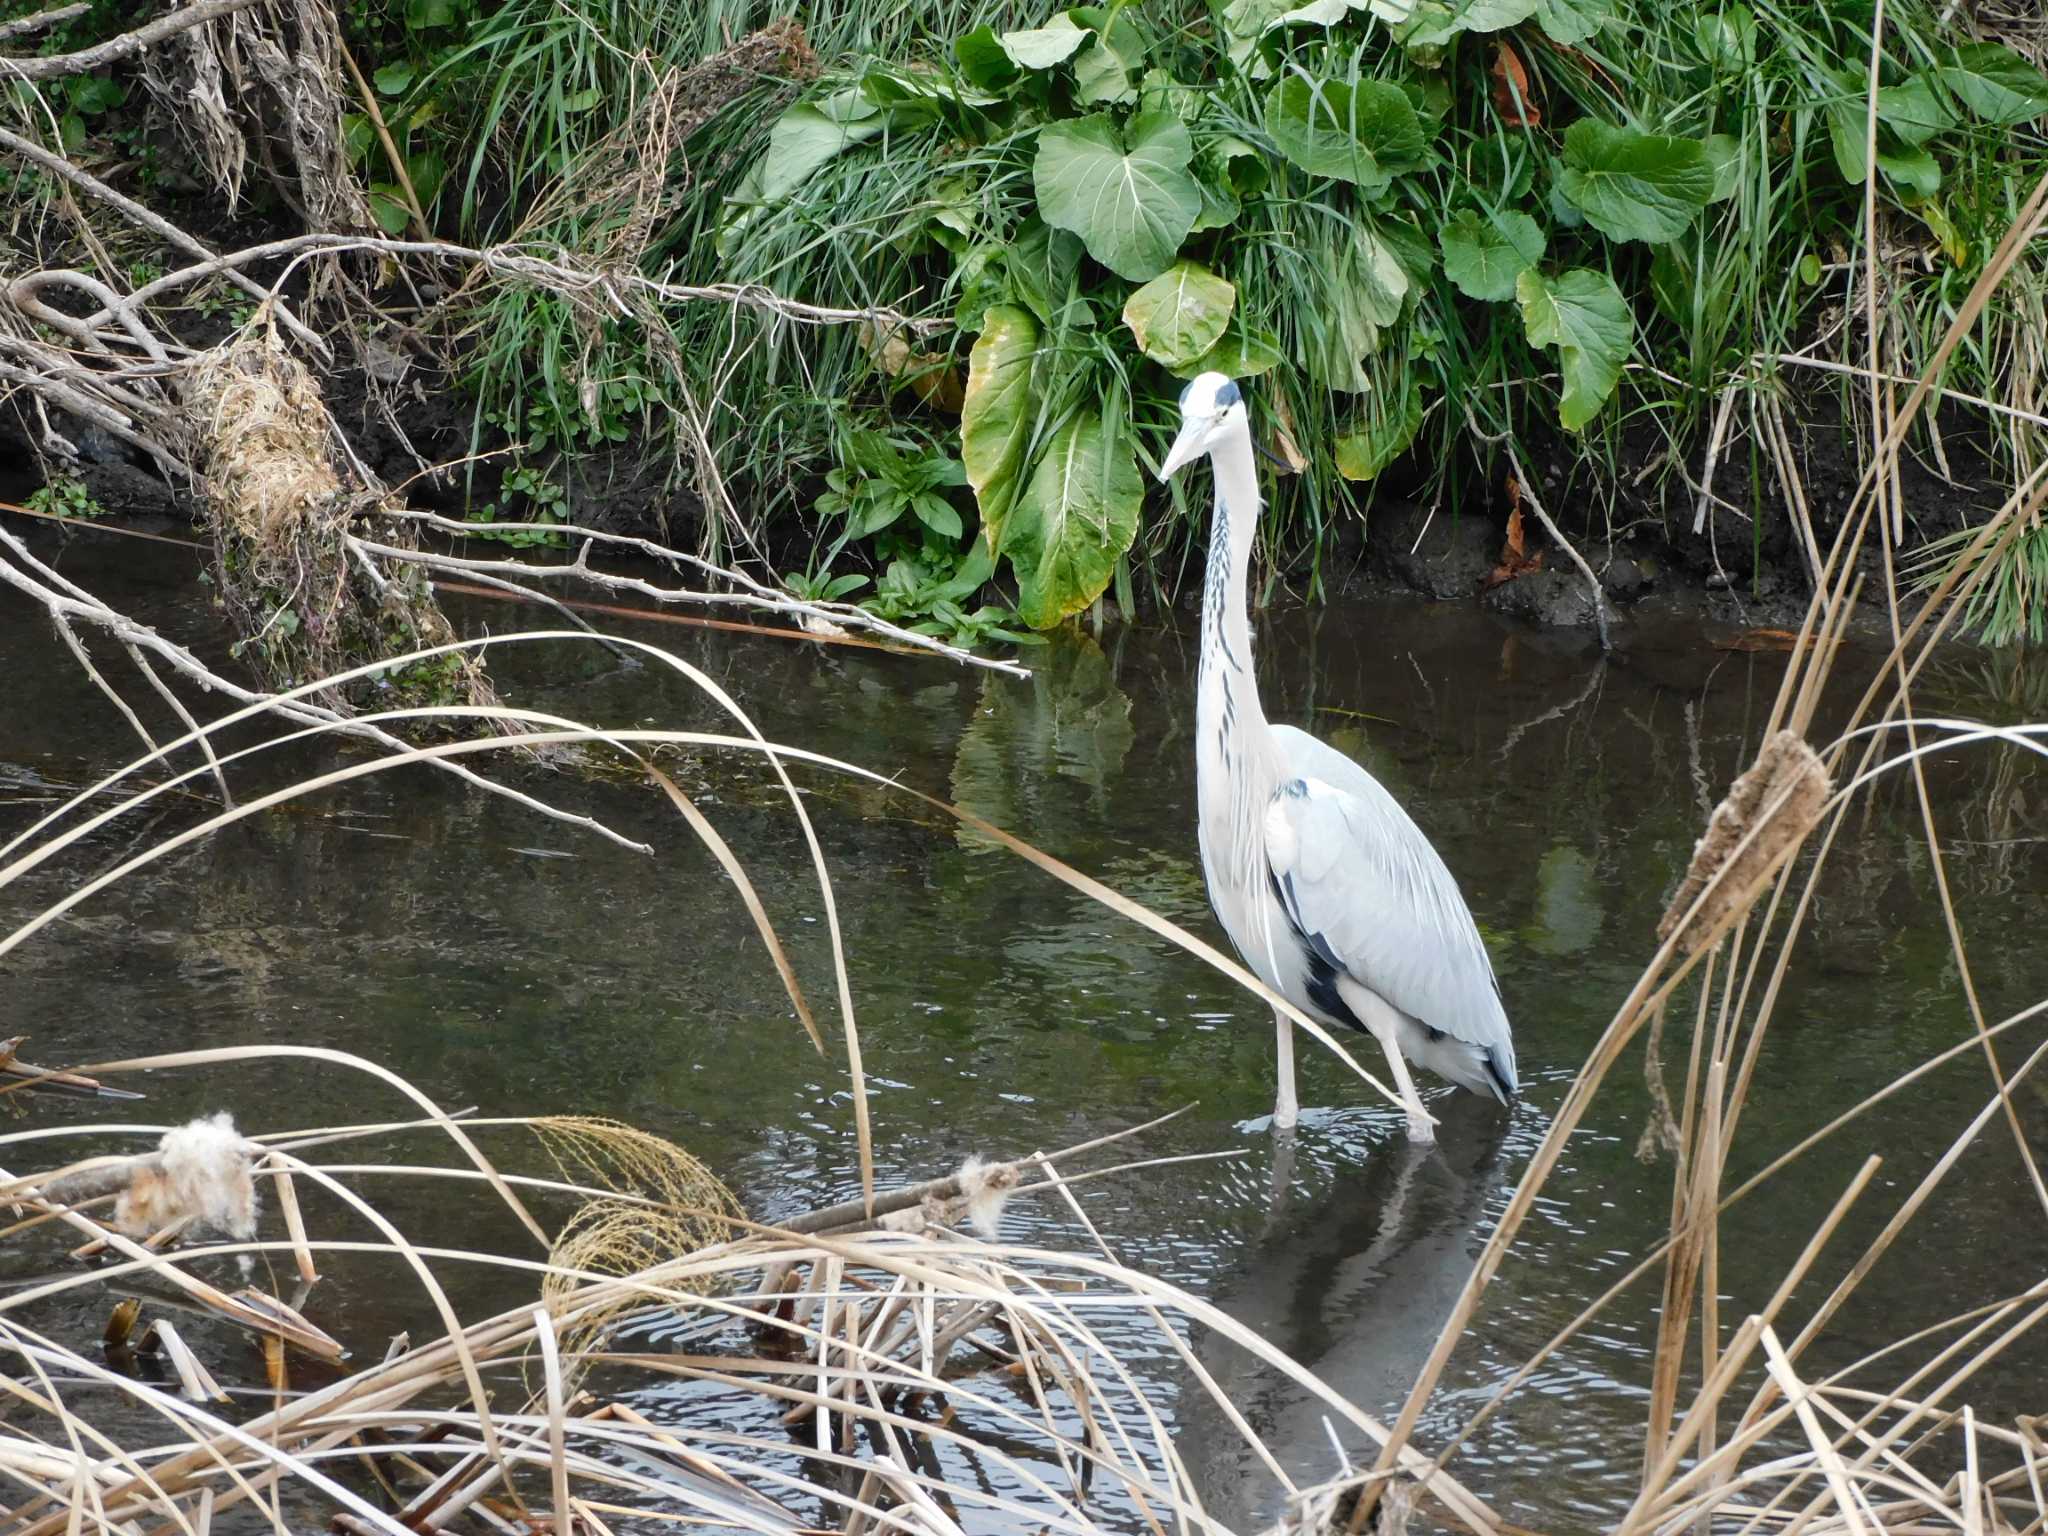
(28, 26)
(157, 225)
(750, 594)
(114, 49)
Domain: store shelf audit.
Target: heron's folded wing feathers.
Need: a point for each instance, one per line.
(1364, 886)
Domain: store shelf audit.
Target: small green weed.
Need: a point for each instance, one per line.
(65, 496)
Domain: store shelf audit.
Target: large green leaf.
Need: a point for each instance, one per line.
(1180, 314)
(1996, 84)
(1043, 47)
(1632, 185)
(1075, 518)
(1583, 315)
(1724, 159)
(1380, 437)
(1102, 74)
(995, 415)
(1727, 39)
(1328, 13)
(1912, 110)
(1484, 255)
(1365, 133)
(984, 60)
(804, 139)
(1910, 165)
(1129, 195)
(1043, 265)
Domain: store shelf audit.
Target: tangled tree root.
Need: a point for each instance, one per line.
(306, 603)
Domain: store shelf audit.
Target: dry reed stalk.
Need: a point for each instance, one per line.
(893, 1306)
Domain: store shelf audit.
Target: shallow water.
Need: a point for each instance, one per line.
(521, 966)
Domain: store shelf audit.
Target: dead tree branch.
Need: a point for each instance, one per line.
(42, 21)
(157, 225)
(114, 49)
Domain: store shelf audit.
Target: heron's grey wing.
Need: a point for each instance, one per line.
(1365, 887)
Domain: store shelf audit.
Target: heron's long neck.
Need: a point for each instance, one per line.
(1227, 680)
(1237, 762)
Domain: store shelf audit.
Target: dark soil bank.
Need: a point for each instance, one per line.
(1744, 566)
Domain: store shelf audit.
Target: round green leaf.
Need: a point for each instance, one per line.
(1584, 316)
(996, 412)
(1491, 15)
(1634, 186)
(1484, 255)
(1365, 133)
(1573, 21)
(1180, 314)
(1075, 518)
(1727, 39)
(1128, 195)
(392, 79)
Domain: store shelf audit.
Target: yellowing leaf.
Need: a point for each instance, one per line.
(995, 415)
(1180, 314)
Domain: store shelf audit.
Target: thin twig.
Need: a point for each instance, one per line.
(1565, 544)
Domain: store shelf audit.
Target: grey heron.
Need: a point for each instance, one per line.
(1329, 891)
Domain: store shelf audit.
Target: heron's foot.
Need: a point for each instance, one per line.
(1421, 1128)
(1286, 1114)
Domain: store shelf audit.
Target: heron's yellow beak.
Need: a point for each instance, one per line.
(1186, 448)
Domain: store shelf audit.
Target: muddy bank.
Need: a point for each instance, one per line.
(1743, 567)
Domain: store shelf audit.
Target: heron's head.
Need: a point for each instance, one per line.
(1211, 408)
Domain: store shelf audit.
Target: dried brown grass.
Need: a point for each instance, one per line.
(280, 507)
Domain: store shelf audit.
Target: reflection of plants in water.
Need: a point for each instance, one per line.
(1568, 906)
(1994, 826)
(1070, 721)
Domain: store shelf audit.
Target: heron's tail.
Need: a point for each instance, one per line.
(1479, 1068)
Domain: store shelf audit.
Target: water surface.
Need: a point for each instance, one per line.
(517, 965)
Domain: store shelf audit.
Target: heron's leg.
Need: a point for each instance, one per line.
(1420, 1126)
(1287, 1108)
(1384, 1023)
